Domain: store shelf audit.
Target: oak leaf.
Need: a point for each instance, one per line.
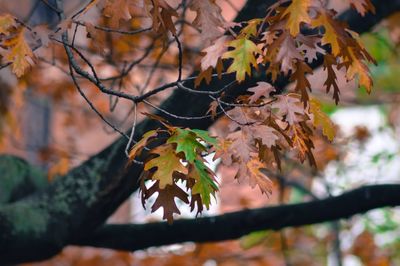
(166, 199)
(263, 89)
(213, 53)
(331, 80)
(243, 56)
(332, 31)
(302, 83)
(266, 134)
(288, 106)
(297, 13)
(19, 54)
(166, 164)
(6, 23)
(256, 177)
(321, 119)
(187, 143)
(205, 184)
(208, 19)
(117, 10)
(287, 54)
(138, 147)
(359, 68)
(240, 145)
(362, 6)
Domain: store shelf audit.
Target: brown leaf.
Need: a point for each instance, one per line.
(266, 134)
(208, 19)
(288, 106)
(331, 80)
(166, 199)
(256, 177)
(263, 89)
(302, 83)
(214, 53)
(240, 145)
(287, 53)
(362, 6)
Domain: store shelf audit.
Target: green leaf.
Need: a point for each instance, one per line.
(203, 134)
(253, 239)
(187, 143)
(205, 183)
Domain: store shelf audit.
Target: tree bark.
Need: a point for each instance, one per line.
(40, 225)
(131, 237)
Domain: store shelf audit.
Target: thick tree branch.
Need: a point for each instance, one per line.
(39, 226)
(236, 224)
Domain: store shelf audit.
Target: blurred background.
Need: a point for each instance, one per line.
(53, 128)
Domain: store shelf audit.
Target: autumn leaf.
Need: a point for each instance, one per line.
(310, 47)
(332, 31)
(208, 19)
(302, 83)
(263, 89)
(137, 148)
(256, 177)
(161, 13)
(187, 143)
(359, 68)
(205, 184)
(204, 75)
(166, 164)
(250, 30)
(117, 10)
(6, 23)
(297, 13)
(266, 134)
(19, 54)
(166, 199)
(362, 6)
(288, 106)
(331, 80)
(321, 119)
(43, 34)
(287, 54)
(222, 151)
(213, 109)
(243, 56)
(240, 116)
(214, 52)
(240, 145)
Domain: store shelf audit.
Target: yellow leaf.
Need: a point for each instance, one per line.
(357, 67)
(167, 163)
(6, 22)
(256, 177)
(321, 119)
(243, 57)
(138, 147)
(330, 36)
(297, 12)
(19, 54)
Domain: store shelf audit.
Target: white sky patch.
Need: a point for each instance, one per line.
(375, 161)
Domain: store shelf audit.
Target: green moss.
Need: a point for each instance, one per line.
(26, 218)
(16, 173)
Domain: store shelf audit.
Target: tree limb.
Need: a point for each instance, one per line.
(131, 237)
(39, 226)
